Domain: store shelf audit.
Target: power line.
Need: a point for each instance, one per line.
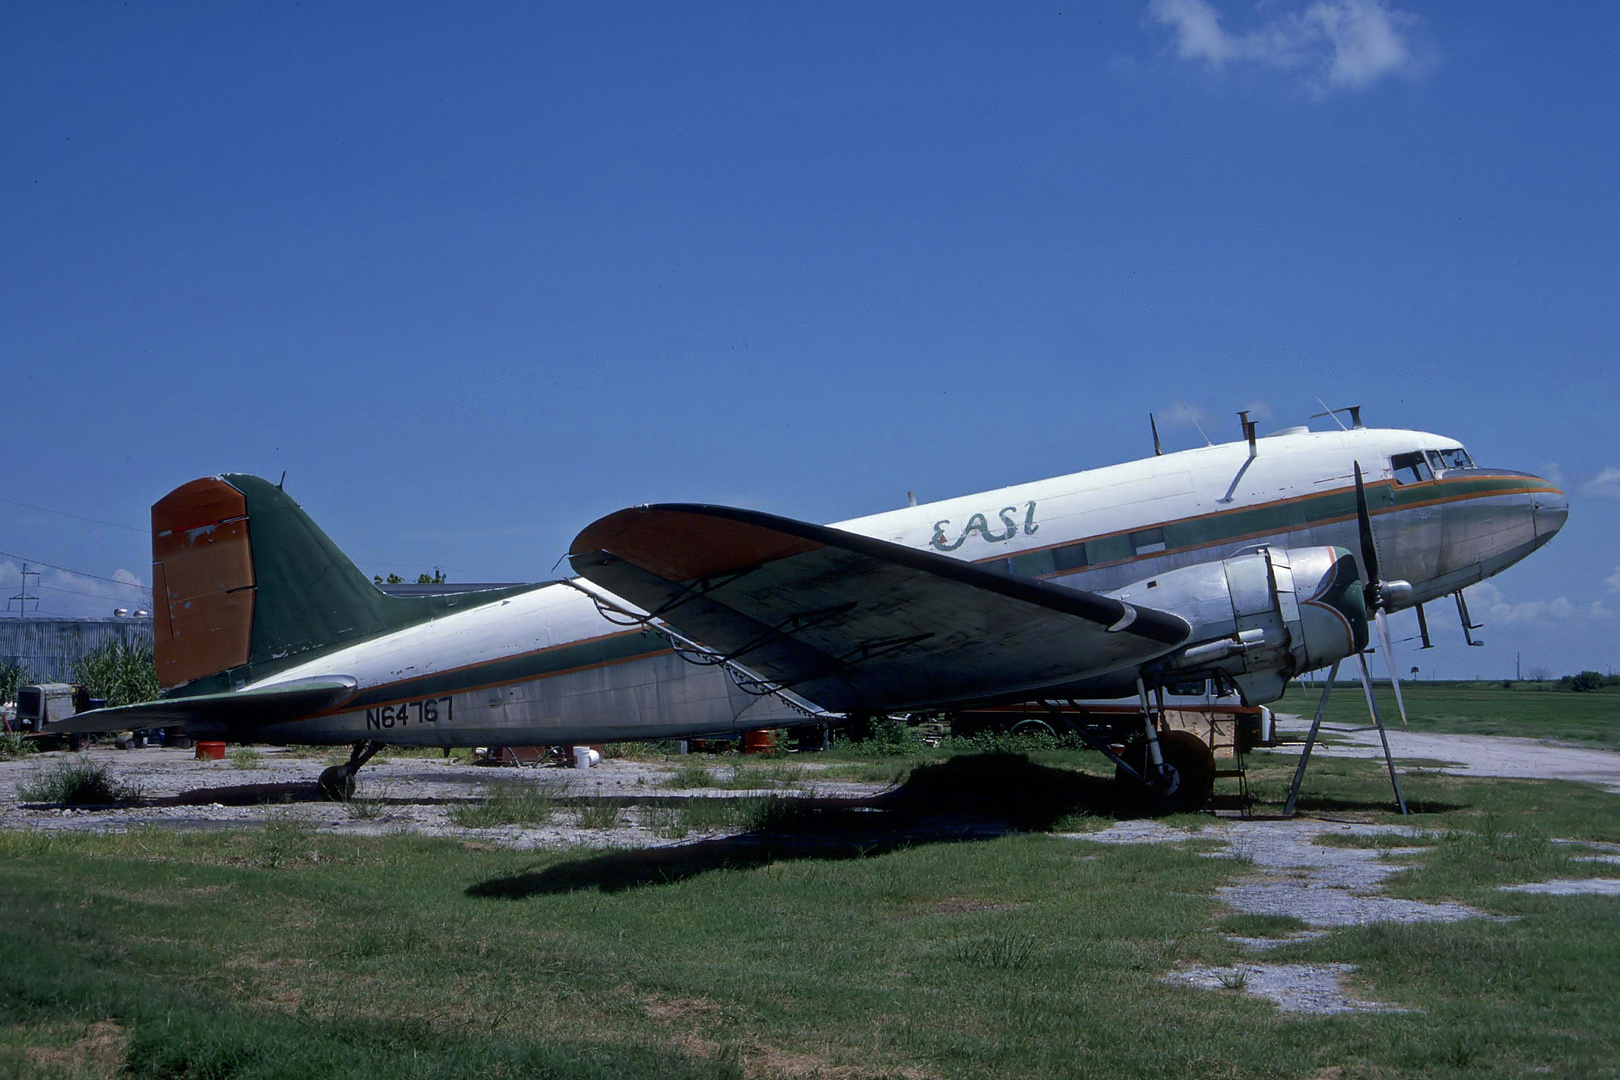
(76, 517)
(81, 592)
(70, 570)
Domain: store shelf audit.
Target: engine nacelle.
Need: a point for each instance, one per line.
(1262, 617)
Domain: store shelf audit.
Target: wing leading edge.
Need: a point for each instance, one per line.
(857, 624)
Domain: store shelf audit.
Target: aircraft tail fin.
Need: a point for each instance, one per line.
(244, 584)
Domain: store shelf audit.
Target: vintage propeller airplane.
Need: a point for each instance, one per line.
(1256, 560)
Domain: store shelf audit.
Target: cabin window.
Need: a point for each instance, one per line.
(1411, 468)
(1147, 541)
(1069, 557)
(1188, 688)
(1031, 564)
(1456, 458)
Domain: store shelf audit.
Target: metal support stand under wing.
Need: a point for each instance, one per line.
(1289, 808)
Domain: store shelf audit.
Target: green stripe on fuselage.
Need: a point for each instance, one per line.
(1301, 512)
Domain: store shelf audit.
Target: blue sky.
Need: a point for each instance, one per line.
(473, 275)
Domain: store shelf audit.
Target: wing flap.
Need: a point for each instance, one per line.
(854, 623)
(242, 708)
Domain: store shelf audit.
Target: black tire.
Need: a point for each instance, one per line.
(1032, 725)
(1194, 767)
(337, 783)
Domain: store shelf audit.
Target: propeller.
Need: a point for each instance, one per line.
(1376, 591)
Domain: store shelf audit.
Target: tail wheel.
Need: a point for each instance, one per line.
(1187, 791)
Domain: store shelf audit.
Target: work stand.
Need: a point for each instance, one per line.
(1316, 727)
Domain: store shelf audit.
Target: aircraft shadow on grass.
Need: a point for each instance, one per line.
(978, 797)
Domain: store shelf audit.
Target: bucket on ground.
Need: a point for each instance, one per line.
(760, 741)
(214, 751)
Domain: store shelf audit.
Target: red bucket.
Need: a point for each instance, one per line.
(210, 751)
(762, 741)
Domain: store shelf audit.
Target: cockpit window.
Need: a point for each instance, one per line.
(1455, 458)
(1411, 468)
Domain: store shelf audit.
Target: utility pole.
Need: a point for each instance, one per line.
(22, 598)
(1518, 672)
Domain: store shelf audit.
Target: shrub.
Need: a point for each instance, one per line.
(75, 782)
(1586, 680)
(12, 745)
(889, 736)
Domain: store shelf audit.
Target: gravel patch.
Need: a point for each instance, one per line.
(394, 795)
(1317, 989)
(1325, 886)
(1294, 873)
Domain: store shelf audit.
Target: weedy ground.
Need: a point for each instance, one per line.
(909, 940)
(942, 931)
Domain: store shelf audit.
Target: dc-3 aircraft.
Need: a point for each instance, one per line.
(1258, 560)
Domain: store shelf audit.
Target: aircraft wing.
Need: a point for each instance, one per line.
(241, 708)
(857, 624)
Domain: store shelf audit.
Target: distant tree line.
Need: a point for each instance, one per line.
(435, 578)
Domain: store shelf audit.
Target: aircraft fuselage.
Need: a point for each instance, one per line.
(547, 666)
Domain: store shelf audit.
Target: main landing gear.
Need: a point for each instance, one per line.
(1163, 771)
(1182, 786)
(337, 782)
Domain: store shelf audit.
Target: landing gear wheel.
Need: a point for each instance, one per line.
(1187, 787)
(1031, 725)
(337, 783)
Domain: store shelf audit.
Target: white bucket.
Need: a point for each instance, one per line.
(585, 757)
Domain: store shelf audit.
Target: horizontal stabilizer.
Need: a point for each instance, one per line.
(854, 623)
(242, 708)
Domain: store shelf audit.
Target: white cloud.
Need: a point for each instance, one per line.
(1555, 472)
(63, 593)
(1613, 580)
(1491, 606)
(1605, 485)
(1333, 44)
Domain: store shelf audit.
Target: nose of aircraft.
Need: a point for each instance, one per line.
(1551, 511)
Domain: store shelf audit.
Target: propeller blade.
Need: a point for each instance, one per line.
(1369, 549)
(1389, 658)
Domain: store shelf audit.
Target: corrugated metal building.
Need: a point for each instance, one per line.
(48, 647)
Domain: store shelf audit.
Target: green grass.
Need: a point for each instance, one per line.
(682, 818)
(600, 814)
(509, 803)
(243, 757)
(1524, 711)
(690, 774)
